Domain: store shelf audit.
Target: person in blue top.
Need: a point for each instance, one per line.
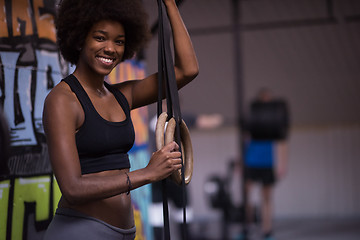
(87, 121)
(265, 155)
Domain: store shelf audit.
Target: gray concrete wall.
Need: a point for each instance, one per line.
(305, 51)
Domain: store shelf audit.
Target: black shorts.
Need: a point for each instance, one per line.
(265, 176)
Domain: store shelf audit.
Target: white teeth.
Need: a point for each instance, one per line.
(106, 60)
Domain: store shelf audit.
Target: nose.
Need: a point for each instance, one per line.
(109, 48)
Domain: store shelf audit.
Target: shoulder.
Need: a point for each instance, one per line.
(61, 94)
(61, 104)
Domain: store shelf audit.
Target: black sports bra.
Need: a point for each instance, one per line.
(102, 145)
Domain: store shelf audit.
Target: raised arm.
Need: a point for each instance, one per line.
(143, 92)
(186, 65)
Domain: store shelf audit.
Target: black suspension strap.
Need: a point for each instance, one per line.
(167, 81)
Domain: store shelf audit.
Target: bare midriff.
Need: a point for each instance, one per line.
(116, 211)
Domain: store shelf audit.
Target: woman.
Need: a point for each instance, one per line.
(87, 121)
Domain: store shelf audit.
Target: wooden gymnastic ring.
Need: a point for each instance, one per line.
(186, 147)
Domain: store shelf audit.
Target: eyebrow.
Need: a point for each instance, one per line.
(105, 33)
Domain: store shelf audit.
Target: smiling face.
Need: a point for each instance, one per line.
(103, 48)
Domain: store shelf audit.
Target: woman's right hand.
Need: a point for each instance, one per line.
(164, 162)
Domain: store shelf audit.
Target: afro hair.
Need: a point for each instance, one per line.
(76, 17)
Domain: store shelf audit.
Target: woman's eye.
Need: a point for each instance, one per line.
(99, 38)
(120, 42)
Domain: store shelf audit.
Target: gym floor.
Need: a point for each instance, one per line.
(318, 229)
(287, 229)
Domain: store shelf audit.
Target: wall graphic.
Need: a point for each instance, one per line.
(30, 67)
